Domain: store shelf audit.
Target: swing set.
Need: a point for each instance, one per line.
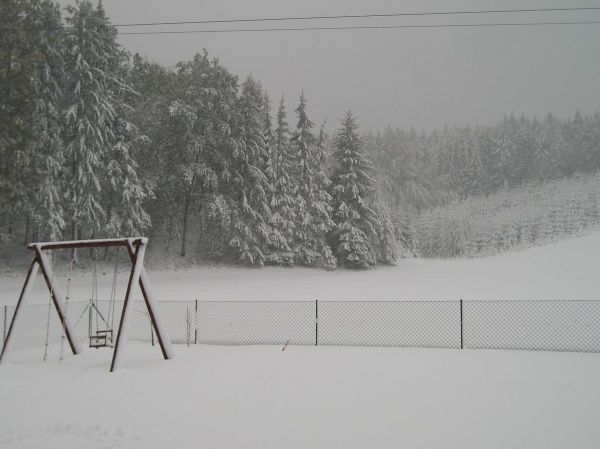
(102, 335)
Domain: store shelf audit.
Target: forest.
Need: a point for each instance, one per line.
(97, 142)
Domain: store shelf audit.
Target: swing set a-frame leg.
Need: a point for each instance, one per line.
(138, 276)
(58, 301)
(41, 261)
(31, 274)
(149, 300)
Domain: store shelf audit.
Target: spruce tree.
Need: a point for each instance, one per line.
(251, 217)
(45, 146)
(313, 219)
(356, 222)
(89, 113)
(125, 190)
(282, 198)
(105, 193)
(19, 74)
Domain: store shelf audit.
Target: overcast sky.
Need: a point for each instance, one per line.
(419, 77)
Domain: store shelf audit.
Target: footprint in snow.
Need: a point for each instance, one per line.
(67, 436)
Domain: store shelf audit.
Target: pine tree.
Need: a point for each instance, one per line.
(385, 244)
(90, 114)
(313, 211)
(106, 193)
(282, 199)
(352, 186)
(19, 88)
(474, 169)
(48, 191)
(251, 230)
(548, 143)
(321, 206)
(125, 190)
(504, 153)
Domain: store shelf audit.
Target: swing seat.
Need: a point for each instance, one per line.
(102, 339)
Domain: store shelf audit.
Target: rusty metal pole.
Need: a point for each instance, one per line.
(165, 345)
(4, 325)
(31, 273)
(134, 278)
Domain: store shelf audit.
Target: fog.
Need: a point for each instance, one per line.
(404, 77)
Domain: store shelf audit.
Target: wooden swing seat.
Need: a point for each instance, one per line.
(102, 339)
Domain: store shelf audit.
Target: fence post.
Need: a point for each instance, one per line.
(461, 324)
(196, 324)
(316, 322)
(188, 324)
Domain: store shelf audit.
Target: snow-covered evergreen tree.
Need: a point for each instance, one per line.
(283, 195)
(504, 153)
(358, 228)
(126, 191)
(18, 91)
(251, 218)
(45, 146)
(312, 209)
(105, 193)
(548, 144)
(90, 114)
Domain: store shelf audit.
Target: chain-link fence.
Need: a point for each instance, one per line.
(422, 324)
(256, 322)
(528, 325)
(532, 325)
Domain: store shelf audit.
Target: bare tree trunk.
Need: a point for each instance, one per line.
(186, 211)
(74, 236)
(26, 234)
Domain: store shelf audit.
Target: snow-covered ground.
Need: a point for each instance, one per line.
(303, 397)
(564, 270)
(319, 397)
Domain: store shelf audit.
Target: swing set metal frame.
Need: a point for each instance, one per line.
(136, 247)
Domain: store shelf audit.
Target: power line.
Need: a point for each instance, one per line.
(365, 27)
(358, 16)
(353, 16)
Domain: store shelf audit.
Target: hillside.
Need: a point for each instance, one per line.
(525, 216)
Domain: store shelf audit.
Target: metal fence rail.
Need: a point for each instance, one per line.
(527, 325)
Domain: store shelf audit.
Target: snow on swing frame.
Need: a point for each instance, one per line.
(136, 247)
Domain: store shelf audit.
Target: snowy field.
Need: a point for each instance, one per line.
(320, 397)
(564, 270)
(303, 397)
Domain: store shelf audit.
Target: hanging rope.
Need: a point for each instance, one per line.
(94, 296)
(52, 264)
(113, 293)
(62, 339)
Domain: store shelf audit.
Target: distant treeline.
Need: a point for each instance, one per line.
(420, 171)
